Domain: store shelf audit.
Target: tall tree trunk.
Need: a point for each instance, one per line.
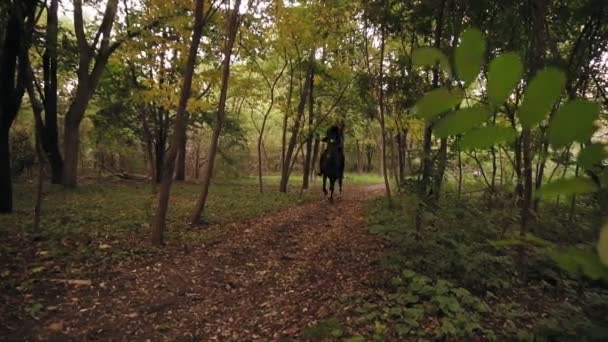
(309, 136)
(286, 171)
(459, 173)
(286, 118)
(180, 172)
(427, 167)
(197, 161)
(260, 146)
(233, 25)
(369, 154)
(494, 166)
(91, 65)
(18, 30)
(401, 149)
(358, 153)
(441, 165)
(50, 132)
(6, 185)
(315, 157)
(427, 161)
(149, 152)
(394, 162)
(37, 108)
(540, 172)
(537, 52)
(381, 107)
(260, 173)
(158, 223)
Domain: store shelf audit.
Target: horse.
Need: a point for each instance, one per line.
(331, 163)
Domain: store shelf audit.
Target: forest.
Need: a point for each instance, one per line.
(163, 169)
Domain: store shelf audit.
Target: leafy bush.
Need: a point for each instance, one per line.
(416, 305)
(460, 253)
(23, 155)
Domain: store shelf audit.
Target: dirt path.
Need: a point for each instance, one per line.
(266, 279)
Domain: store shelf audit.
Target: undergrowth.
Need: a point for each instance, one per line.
(467, 274)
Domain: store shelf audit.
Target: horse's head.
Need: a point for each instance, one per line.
(333, 136)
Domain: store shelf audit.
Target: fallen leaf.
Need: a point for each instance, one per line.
(57, 326)
(84, 282)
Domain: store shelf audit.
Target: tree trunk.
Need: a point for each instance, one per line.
(91, 64)
(17, 32)
(427, 167)
(459, 173)
(394, 161)
(369, 154)
(286, 118)
(286, 171)
(149, 152)
(401, 150)
(71, 147)
(441, 165)
(308, 157)
(197, 161)
(537, 52)
(6, 185)
(315, 157)
(180, 172)
(381, 108)
(158, 223)
(540, 172)
(358, 153)
(233, 26)
(494, 169)
(50, 133)
(260, 146)
(37, 108)
(260, 173)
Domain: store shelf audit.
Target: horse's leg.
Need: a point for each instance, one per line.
(324, 180)
(340, 184)
(332, 181)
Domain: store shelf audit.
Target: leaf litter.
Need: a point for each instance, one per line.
(261, 279)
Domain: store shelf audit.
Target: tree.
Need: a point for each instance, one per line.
(91, 64)
(233, 26)
(49, 130)
(17, 25)
(158, 224)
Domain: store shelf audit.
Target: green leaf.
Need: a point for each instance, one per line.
(567, 187)
(542, 92)
(356, 338)
(428, 56)
(592, 155)
(461, 121)
(438, 101)
(504, 72)
(487, 136)
(573, 122)
(469, 55)
(602, 245)
(580, 262)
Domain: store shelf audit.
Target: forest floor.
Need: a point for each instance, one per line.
(264, 278)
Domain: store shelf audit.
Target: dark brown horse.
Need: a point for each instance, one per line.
(332, 161)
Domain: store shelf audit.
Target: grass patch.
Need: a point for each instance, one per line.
(81, 221)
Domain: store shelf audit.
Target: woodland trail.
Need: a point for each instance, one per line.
(264, 279)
